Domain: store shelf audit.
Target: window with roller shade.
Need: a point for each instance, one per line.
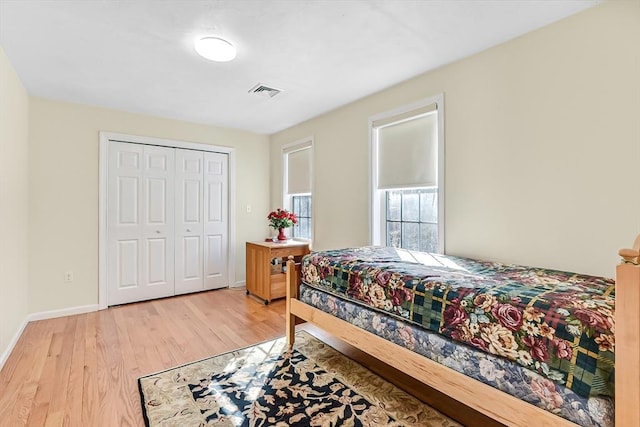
(407, 177)
(297, 171)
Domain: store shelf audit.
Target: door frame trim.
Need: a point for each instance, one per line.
(105, 137)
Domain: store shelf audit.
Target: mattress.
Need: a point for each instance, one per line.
(495, 371)
(557, 324)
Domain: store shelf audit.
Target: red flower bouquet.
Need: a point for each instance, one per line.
(282, 218)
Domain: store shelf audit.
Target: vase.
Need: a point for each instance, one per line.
(281, 236)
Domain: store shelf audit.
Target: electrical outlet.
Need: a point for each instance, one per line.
(68, 276)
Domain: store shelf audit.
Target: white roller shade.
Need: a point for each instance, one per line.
(408, 151)
(299, 171)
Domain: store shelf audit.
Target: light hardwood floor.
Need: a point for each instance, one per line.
(82, 370)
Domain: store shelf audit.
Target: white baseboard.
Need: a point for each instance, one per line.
(239, 284)
(12, 343)
(62, 312)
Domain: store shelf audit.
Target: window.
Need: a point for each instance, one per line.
(297, 183)
(407, 177)
(412, 219)
(301, 206)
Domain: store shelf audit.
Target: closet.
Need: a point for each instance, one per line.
(167, 221)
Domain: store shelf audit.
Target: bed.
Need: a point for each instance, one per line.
(450, 323)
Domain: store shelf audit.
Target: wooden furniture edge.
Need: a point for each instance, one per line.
(292, 287)
(627, 345)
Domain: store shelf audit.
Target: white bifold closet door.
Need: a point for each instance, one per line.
(140, 221)
(167, 222)
(216, 221)
(201, 220)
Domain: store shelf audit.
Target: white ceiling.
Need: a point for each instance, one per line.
(138, 55)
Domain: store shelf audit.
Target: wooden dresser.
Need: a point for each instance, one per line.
(264, 279)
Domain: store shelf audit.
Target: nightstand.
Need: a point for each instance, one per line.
(264, 279)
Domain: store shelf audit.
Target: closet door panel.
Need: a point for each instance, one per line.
(139, 223)
(158, 263)
(127, 264)
(159, 219)
(189, 221)
(191, 206)
(127, 190)
(157, 201)
(192, 266)
(216, 222)
(216, 267)
(124, 188)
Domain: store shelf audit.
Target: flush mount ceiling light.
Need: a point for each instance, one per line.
(215, 49)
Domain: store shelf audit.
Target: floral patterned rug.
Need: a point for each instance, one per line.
(266, 385)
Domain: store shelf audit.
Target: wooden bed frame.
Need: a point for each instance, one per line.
(481, 397)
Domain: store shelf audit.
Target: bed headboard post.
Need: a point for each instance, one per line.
(292, 284)
(627, 338)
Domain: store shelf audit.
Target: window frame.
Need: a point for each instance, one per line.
(287, 198)
(377, 198)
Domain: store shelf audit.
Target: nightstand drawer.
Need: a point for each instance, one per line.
(285, 252)
(278, 285)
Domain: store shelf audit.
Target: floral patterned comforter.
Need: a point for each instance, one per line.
(558, 324)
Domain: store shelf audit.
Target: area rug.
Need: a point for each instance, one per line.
(266, 385)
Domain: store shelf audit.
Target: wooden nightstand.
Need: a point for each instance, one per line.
(265, 280)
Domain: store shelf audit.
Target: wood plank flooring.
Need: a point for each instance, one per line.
(82, 370)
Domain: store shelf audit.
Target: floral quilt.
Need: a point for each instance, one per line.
(558, 324)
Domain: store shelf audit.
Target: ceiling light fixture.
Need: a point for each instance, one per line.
(215, 49)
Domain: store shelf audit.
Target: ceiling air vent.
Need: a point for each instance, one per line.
(265, 91)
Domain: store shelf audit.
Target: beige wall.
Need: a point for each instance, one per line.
(63, 189)
(542, 147)
(14, 144)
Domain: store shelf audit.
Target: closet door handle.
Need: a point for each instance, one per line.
(188, 230)
(158, 232)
